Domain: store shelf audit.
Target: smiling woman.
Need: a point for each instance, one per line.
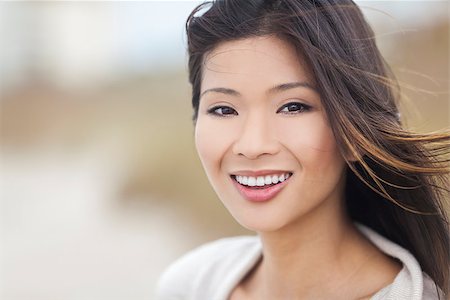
(259, 128)
(297, 128)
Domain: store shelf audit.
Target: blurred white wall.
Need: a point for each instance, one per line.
(83, 43)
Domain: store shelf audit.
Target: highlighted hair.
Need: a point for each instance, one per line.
(397, 181)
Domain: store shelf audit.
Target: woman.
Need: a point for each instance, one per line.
(298, 131)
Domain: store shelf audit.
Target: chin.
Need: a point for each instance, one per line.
(258, 224)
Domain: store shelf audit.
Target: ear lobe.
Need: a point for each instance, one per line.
(352, 156)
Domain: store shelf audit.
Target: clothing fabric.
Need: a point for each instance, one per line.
(213, 270)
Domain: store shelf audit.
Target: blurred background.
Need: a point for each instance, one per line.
(100, 184)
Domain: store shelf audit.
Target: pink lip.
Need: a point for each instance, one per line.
(259, 173)
(261, 194)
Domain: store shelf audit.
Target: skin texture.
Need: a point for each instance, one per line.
(311, 250)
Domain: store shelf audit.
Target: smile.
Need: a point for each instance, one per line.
(260, 188)
(262, 181)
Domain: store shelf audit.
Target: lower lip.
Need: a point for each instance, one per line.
(260, 194)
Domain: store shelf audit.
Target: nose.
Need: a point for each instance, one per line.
(256, 138)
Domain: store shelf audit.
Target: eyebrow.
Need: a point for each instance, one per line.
(276, 89)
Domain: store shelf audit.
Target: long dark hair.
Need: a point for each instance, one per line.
(397, 180)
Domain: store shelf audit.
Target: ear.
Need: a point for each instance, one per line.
(352, 155)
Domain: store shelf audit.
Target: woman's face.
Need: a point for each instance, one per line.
(260, 120)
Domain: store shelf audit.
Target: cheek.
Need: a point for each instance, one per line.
(211, 143)
(312, 142)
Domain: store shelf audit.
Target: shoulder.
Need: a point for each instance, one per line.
(204, 266)
(411, 283)
(430, 289)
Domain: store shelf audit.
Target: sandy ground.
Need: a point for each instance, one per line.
(63, 238)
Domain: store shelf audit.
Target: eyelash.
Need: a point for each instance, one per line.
(302, 108)
(212, 111)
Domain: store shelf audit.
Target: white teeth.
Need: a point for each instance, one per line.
(274, 179)
(261, 180)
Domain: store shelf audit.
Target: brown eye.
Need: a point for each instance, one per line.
(293, 108)
(222, 111)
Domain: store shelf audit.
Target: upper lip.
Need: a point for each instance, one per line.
(259, 173)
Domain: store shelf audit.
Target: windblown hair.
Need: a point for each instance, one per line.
(397, 181)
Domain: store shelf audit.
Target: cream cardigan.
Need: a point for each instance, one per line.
(211, 271)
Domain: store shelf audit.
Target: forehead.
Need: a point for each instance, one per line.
(263, 59)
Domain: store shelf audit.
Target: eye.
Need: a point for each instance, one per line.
(222, 111)
(294, 108)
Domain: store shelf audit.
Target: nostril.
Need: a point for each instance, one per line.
(255, 139)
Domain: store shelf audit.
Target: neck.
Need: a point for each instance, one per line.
(310, 257)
